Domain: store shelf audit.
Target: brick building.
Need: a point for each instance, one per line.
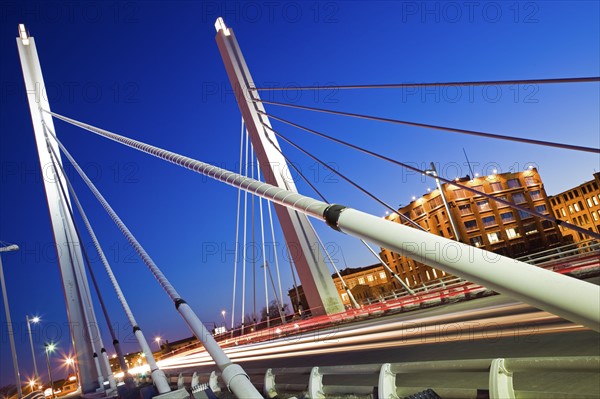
(579, 205)
(480, 221)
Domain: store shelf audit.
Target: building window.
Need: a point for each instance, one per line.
(536, 194)
(361, 280)
(546, 224)
(465, 209)
(419, 210)
(460, 193)
(513, 183)
(496, 186)
(570, 209)
(583, 189)
(595, 215)
(470, 225)
(512, 233)
(382, 276)
(541, 209)
(524, 215)
(595, 200)
(478, 188)
(589, 202)
(370, 278)
(437, 201)
(571, 195)
(586, 219)
(494, 237)
(507, 217)
(576, 193)
(576, 207)
(530, 181)
(518, 198)
(476, 241)
(489, 221)
(530, 229)
(344, 297)
(500, 204)
(483, 205)
(563, 212)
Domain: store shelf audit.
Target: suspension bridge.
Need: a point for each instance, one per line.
(262, 178)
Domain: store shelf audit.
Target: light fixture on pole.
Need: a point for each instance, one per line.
(11, 334)
(157, 340)
(50, 348)
(224, 320)
(33, 320)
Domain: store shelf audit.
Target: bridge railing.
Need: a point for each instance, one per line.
(500, 378)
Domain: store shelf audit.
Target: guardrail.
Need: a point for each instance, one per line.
(501, 378)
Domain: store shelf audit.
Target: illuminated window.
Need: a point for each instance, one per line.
(589, 202)
(530, 229)
(576, 207)
(562, 211)
(595, 215)
(483, 205)
(370, 278)
(512, 233)
(494, 237)
(595, 200)
(344, 297)
(570, 208)
(382, 275)
(361, 280)
(477, 241)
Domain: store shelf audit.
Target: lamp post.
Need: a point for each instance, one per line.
(50, 348)
(70, 364)
(11, 334)
(157, 340)
(224, 320)
(34, 320)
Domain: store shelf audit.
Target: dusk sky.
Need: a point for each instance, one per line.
(152, 71)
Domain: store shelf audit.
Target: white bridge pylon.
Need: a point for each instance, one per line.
(317, 284)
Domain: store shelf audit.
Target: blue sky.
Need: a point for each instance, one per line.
(152, 71)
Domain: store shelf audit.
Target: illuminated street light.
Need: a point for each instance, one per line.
(34, 320)
(157, 340)
(50, 348)
(70, 363)
(224, 320)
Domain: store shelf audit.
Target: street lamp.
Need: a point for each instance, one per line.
(11, 334)
(157, 340)
(70, 363)
(34, 320)
(224, 320)
(50, 348)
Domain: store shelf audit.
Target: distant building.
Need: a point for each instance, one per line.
(480, 221)
(581, 206)
(365, 283)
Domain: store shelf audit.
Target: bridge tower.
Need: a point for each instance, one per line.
(320, 292)
(68, 247)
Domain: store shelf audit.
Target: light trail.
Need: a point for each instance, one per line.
(455, 327)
